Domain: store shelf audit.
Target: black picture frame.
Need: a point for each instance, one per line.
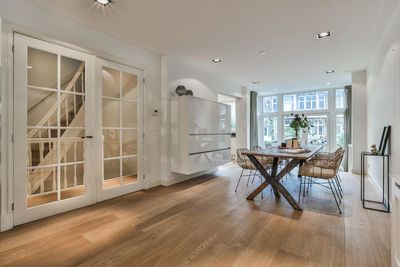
(386, 139)
(382, 138)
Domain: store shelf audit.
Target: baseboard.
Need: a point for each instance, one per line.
(155, 183)
(181, 177)
(7, 222)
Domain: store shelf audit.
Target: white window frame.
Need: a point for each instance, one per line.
(331, 111)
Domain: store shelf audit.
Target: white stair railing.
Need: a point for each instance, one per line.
(37, 177)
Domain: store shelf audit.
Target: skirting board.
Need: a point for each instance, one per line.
(182, 178)
(7, 222)
(155, 183)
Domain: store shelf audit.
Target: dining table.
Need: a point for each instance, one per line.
(294, 157)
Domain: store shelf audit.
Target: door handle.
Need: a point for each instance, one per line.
(87, 137)
(397, 185)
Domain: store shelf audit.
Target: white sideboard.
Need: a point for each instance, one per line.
(200, 134)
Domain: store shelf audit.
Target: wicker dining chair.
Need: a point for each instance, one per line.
(322, 156)
(322, 168)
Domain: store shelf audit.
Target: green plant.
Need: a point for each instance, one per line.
(300, 122)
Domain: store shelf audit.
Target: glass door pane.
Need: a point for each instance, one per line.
(55, 127)
(271, 131)
(119, 127)
(289, 132)
(340, 131)
(318, 134)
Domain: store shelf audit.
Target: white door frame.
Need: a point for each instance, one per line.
(22, 213)
(103, 194)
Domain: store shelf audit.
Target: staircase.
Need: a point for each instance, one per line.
(42, 142)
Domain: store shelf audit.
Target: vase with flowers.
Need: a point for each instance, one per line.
(301, 123)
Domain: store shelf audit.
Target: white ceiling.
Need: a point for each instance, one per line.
(236, 30)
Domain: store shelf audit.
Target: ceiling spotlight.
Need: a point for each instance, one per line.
(330, 71)
(256, 82)
(103, 2)
(276, 89)
(323, 35)
(328, 83)
(262, 53)
(217, 60)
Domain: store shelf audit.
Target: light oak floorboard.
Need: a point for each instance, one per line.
(203, 222)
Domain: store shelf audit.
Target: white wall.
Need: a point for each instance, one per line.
(358, 117)
(383, 98)
(203, 84)
(29, 19)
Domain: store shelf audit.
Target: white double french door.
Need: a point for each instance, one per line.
(71, 114)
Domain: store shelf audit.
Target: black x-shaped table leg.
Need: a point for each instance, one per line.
(274, 178)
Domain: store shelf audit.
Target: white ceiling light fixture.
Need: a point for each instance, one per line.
(330, 71)
(256, 82)
(104, 2)
(262, 53)
(276, 89)
(328, 83)
(324, 35)
(217, 60)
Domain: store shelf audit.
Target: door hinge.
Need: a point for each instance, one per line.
(12, 206)
(13, 48)
(144, 176)
(144, 80)
(143, 135)
(12, 138)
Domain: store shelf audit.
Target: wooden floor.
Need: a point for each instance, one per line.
(202, 222)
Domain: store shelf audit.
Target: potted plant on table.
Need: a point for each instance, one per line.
(301, 123)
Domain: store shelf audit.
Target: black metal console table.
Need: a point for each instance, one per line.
(385, 182)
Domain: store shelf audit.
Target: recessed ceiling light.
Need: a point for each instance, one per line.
(323, 35)
(103, 2)
(276, 89)
(328, 83)
(330, 71)
(256, 82)
(262, 53)
(217, 60)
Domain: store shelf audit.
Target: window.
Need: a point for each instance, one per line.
(340, 98)
(271, 131)
(288, 104)
(270, 104)
(340, 131)
(289, 132)
(319, 133)
(306, 101)
(328, 120)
